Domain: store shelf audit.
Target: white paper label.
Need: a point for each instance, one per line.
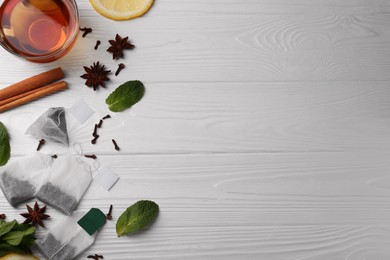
(81, 111)
(106, 178)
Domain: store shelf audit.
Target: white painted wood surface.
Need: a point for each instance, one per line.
(264, 132)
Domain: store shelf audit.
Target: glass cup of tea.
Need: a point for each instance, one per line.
(39, 30)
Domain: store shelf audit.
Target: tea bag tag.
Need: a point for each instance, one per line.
(106, 178)
(81, 111)
(92, 221)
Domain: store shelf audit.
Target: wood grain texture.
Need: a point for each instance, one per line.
(263, 134)
(291, 206)
(226, 117)
(203, 41)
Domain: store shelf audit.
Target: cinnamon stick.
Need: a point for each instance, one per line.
(35, 94)
(9, 100)
(31, 83)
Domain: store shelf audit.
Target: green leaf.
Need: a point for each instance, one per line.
(28, 241)
(14, 238)
(6, 227)
(5, 249)
(136, 217)
(5, 148)
(21, 227)
(125, 96)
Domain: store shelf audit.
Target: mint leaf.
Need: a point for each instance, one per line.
(125, 96)
(5, 249)
(5, 149)
(21, 227)
(136, 217)
(28, 241)
(14, 238)
(6, 227)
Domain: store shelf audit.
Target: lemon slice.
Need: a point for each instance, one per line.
(13, 256)
(121, 9)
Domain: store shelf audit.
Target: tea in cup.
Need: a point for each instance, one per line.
(39, 30)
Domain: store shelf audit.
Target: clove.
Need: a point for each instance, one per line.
(94, 134)
(91, 156)
(2, 216)
(95, 257)
(121, 66)
(115, 145)
(95, 139)
(100, 123)
(97, 45)
(86, 30)
(106, 117)
(109, 214)
(41, 142)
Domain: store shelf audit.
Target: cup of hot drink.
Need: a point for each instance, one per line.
(39, 30)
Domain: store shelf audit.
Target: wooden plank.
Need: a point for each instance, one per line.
(277, 206)
(224, 117)
(223, 42)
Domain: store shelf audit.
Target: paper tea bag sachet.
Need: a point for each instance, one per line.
(66, 183)
(71, 235)
(21, 179)
(51, 126)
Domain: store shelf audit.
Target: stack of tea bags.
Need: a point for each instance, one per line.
(61, 182)
(21, 179)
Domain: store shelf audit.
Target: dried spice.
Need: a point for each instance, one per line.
(106, 117)
(35, 215)
(86, 30)
(121, 66)
(118, 46)
(91, 156)
(94, 134)
(54, 156)
(95, 139)
(100, 123)
(2, 216)
(41, 143)
(96, 75)
(109, 214)
(97, 44)
(115, 145)
(95, 256)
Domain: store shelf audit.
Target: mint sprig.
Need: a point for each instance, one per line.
(15, 237)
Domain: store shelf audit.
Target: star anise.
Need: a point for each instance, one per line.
(35, 215)
(118, 46)
(96, 75)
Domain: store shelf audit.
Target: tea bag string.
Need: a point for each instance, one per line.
(80, 154)
(59, 117)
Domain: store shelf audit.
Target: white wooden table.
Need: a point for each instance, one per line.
(264, 132)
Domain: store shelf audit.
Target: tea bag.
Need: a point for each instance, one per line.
(66, 184)
(71, 235)
(51, 126)
(20, 180)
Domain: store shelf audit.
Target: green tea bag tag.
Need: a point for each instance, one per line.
(92, 221)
